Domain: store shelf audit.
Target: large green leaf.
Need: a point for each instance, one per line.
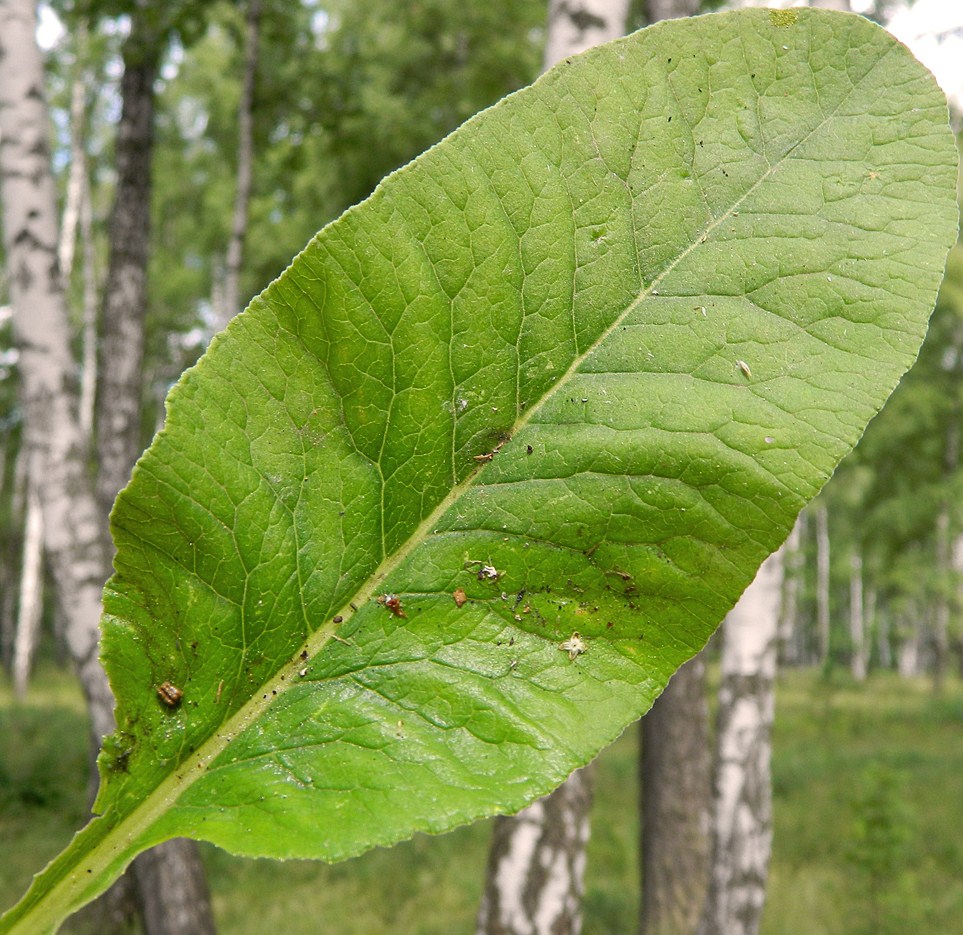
(574, 370)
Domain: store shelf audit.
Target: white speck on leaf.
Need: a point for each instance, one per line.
(744, 367)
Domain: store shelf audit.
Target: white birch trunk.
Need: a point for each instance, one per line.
(76, 221)
(742, 814)
(88, 371)
(10, 570)
(883, 648)
(536, 865)
(941, 612)
(230, 305)
(956, 560)
(822, 584)
(857, 623)
(75, 174)
(31, 596)
(656, 10)
(908, 650)
(52, 436)
(790, 633)
(871, 622)
(577, 25)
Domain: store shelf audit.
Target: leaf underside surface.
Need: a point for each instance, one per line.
(575, 370)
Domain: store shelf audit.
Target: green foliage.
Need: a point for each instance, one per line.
(507, 440)
(864, 792)
(398, 78)
(343, 96)
(907, 446)
(879, 849)
(886, 498)
(432, 885)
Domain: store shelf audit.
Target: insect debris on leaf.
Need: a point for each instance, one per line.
(574, 645)
(393, 603)
(486, 570)
(170, 694)
(491, 454)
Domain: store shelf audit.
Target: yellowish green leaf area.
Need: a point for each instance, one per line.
(444, 509)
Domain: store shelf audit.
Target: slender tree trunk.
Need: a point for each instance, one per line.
(676, 796)
(884, 648)
(88, 371)
(908, 648)
(172, 890)
(125, 289)
(871, 623)
(245, 160)
(742, 814)
(77, 220)
(536, 866)
(8, 623)
(577, 25)
(52, 437)
(944, 548)
(31, 595)
(78, 163)
(790, 632)
(822, 584)
(956, 562)
(171, 886)
(656, 10)
(857, 623)
(10, 570)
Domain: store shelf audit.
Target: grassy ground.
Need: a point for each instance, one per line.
(868, 785)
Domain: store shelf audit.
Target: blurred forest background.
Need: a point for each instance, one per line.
(270, 118)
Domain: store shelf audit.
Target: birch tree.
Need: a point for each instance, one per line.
(822, 584)
(791, 635)
(858, 661)
(52, 438)
(30, 601)
(29, 605)
(742, 789)
(536, 864)
(231, 299)
(577, 25)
